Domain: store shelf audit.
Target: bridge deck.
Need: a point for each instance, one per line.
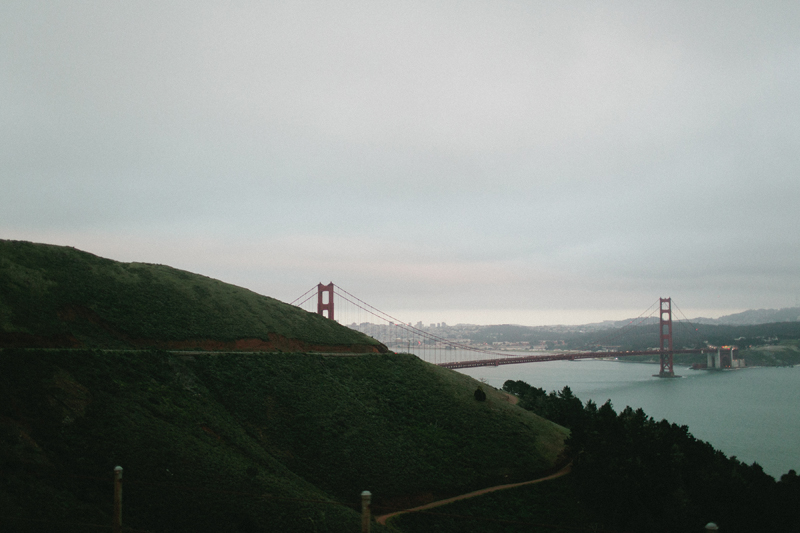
(511, 360)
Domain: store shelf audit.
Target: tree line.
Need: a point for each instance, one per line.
(638, 474)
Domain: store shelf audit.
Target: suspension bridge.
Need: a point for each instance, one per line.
(434, 345)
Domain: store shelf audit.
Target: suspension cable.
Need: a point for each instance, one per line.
(408, 327)
(301, 296)
(695, 331)
(438, 340)
(615, 334)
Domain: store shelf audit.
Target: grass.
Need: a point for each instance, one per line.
(223, 441)
(241, 442)
(62, 297)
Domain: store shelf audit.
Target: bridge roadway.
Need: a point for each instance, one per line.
(511, 360)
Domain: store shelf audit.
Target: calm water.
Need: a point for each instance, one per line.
(753, 413)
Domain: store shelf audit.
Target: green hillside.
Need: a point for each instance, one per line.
(55, 296)
(225, 440)
(629, 473)
(246, 442)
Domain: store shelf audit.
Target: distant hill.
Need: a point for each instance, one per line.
(754, 317)
(56, 296)
(770, 344)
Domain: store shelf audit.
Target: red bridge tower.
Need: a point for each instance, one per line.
(322, 306)
(665, 334)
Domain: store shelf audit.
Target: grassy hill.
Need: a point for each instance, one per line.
(247, 442)
(55, 296)
(214, 441)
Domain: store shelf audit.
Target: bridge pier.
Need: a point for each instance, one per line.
(724, 358)
(714, 360)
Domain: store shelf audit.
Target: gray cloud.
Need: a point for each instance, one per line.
(498, 155)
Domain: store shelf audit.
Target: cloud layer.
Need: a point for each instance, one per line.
(496, 156)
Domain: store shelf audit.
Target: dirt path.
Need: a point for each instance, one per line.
(513, 400)
(383, 518)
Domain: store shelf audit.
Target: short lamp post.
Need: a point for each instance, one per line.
(366, 498)
(116, 521)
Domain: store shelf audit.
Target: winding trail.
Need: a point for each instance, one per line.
(383, 518)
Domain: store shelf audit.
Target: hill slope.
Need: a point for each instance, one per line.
(246, 442)
(55, 296)
(214, 441)
(753, 317)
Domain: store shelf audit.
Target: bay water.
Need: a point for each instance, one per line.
(751, 413)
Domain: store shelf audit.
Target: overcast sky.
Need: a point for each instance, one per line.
(485, 162)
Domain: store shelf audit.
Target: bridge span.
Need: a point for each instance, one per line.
(324, 296)
(572, 356)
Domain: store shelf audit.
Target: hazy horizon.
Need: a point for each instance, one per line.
(486, 162)
(523, 317)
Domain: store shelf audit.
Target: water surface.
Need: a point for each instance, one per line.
(752, 413)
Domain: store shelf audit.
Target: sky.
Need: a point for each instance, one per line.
(476, 161)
